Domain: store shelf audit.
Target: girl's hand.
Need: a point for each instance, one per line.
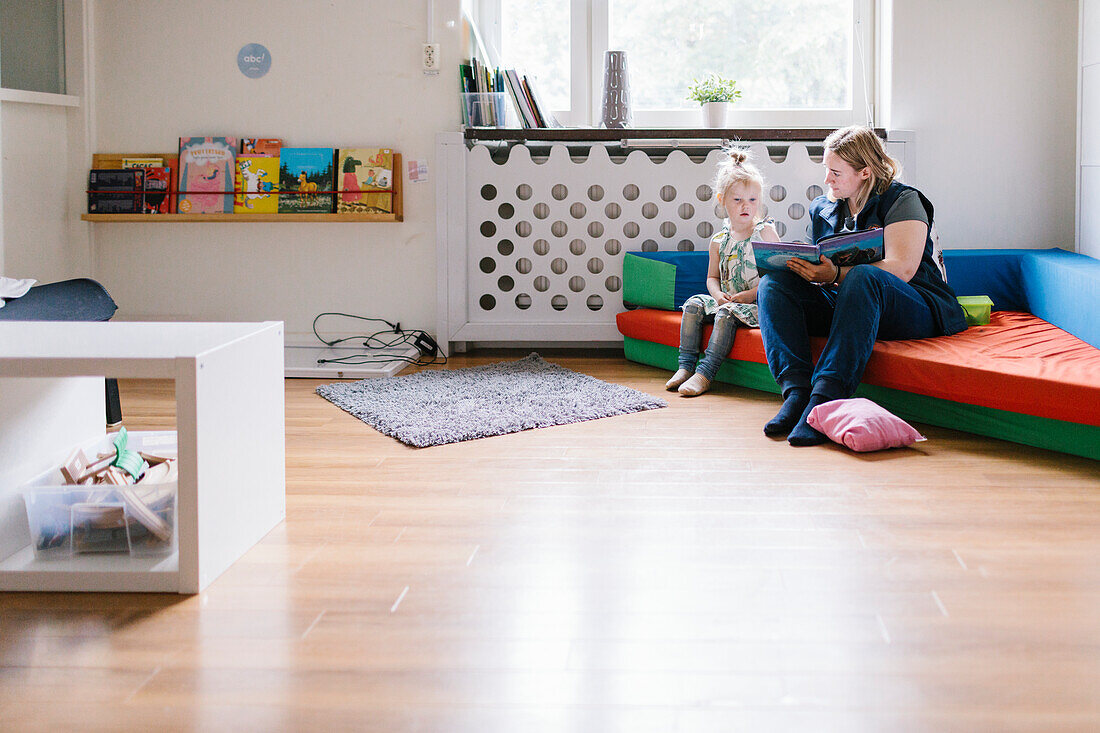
(745, 296)
(822, 273)
(723, 297)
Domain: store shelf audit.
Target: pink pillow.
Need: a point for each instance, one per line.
(862, 425)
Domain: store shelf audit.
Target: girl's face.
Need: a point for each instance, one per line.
(741, 201)
(843, 180)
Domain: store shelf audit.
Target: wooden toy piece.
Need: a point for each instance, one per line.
(117, 477)
(146, 516)
(160, 472)
(154, 457)
(155, 487)
(77, 469)
(99, 528)
(99, 516)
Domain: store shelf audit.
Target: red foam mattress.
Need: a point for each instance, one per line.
(1017, 363)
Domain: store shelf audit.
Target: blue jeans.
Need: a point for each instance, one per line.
(691, 337)
(869, 304)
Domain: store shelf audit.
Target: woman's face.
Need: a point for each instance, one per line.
(843, 180)
(741, 201)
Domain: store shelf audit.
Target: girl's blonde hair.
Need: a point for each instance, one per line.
(861, 148)
(736, 166)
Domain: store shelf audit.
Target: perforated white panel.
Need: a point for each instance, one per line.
(532, 251)
(546, 239)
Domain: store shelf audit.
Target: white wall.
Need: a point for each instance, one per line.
(344, 73)
(43, 170)
(42, 235)
(990, 90)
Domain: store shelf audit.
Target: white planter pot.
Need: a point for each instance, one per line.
(714, 113)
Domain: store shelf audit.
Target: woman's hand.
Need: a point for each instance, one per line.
(821, 273)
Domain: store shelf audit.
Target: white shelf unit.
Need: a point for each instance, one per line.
(230, 429)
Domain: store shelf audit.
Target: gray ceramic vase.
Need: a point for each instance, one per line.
(616, 91)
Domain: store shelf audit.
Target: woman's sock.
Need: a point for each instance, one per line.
(793, 406)
(803, 434)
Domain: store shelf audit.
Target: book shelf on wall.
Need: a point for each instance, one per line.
(109, 160)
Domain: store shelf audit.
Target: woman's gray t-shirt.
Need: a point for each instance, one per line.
(907, 208)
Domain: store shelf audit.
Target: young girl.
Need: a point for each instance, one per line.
(731, 276)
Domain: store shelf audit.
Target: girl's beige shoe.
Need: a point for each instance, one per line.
(697, 385)
(681, 376)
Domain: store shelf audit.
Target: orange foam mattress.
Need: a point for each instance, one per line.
(1017, 363)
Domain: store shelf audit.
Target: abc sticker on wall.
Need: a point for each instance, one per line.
(253, 60)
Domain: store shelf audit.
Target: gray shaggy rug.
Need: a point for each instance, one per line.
(448, 406)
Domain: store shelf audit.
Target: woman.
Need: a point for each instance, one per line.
(902, 296)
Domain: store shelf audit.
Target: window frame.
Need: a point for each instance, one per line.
(589, 38)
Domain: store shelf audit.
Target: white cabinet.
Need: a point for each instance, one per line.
(230, 426)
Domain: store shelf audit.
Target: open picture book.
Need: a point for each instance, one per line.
(851, 248)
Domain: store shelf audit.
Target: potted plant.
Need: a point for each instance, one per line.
(716, 94)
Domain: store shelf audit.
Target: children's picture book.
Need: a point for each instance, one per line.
(304, 173)
(366, 181)
(268, 146)
(853, 248)
(142, 162)
(206, 170)
(116, 191)
(157, 187)
(256, 185)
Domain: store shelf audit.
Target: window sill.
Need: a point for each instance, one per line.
(589, 134)
(21, 95)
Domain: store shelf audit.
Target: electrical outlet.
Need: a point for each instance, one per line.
(429, 58)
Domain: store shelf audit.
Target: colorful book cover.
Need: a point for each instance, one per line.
(157, 185)
(256, 185)
(854, 248)
(268, 146)
(113, 192)
(116, 191)
(306, 181)
(142, 162)
(206, 171)
(171, 162)
(366, 181)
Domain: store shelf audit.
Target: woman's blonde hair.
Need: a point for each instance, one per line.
(861, 148)
(736, 166)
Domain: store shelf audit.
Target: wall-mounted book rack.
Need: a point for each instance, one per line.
(114, 160)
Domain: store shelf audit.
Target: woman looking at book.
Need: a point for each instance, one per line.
(902, 296)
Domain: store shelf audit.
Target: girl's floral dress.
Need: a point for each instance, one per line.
(736, 272)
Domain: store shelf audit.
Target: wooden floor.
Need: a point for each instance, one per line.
(671, 570)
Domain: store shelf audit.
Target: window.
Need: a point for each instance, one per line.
(798, 63)
(32, 46)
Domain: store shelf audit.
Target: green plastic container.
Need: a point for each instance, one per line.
(976, 308)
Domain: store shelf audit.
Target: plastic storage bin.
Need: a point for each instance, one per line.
(976, 308)
(139, 520)
(487, 109)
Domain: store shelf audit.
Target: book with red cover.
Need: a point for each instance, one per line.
(266, 146)
(157, 185)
